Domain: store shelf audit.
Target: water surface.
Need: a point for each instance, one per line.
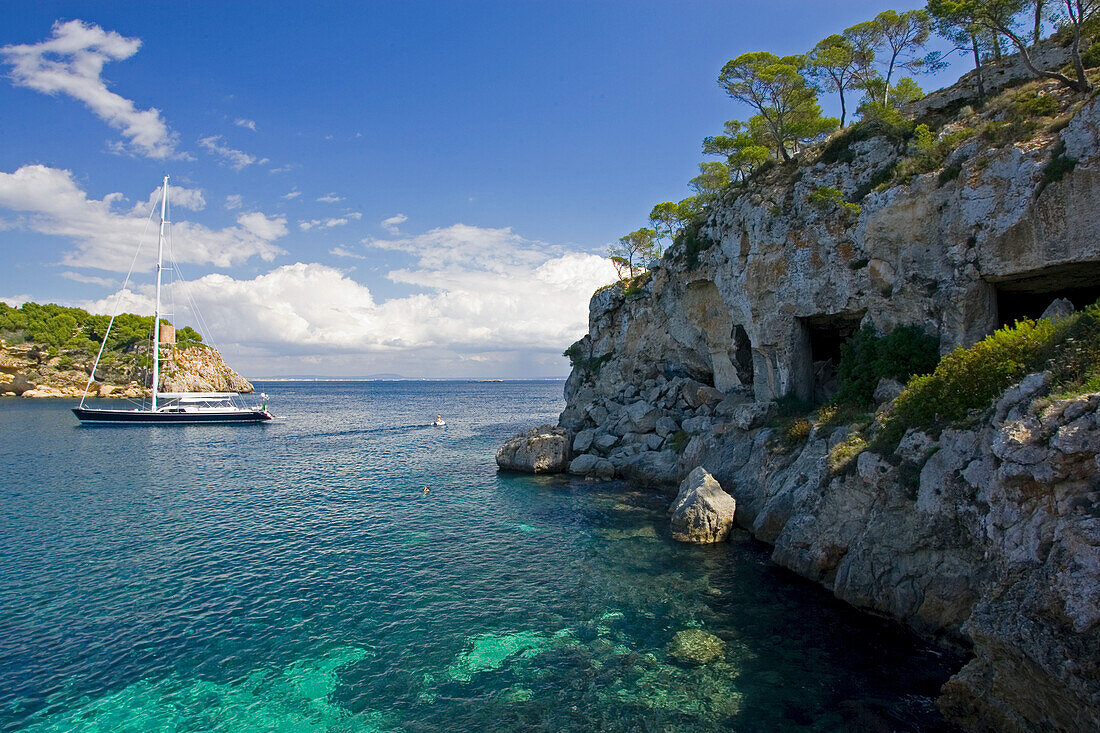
(295, 577)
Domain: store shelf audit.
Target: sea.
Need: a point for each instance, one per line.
(296, 576)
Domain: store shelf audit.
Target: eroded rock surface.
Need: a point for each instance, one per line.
(544, 449)
(702, 512)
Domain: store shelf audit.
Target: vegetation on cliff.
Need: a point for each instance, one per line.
(788, 126)
(66, 339)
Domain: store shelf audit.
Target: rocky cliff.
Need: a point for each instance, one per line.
(985, 535)
(28, 370)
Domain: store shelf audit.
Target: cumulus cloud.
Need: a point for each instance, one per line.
(391, 224)
(49, 201)
(245, 123)
(537, 301)
(71, 62)
(330, 198)
(236, 159)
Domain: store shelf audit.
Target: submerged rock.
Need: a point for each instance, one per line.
(544, 449)
(702, 512)
(696, 647)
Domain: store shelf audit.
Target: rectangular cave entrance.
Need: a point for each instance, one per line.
(1029, 294)
(816, 366)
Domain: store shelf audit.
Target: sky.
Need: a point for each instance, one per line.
(357, 188)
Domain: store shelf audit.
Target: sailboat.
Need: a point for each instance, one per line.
(170, 408)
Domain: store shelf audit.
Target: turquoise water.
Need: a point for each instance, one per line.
(295, 577)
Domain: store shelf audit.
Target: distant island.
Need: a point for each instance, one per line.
(48, 350)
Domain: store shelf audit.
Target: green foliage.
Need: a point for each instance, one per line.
(187, 337)
(680, 440)
(968, 379)
(843, 454)
(788, 114)
(825, 199)
(1060, 164)
(581, 360)
(692, 242)
(634, 251)
(888, 123)
(80, 333)
(713, 178)
(1091, 57)
(866, 358)
(633, 287)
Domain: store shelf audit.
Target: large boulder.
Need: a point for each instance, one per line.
(544, 449)
(702, 512)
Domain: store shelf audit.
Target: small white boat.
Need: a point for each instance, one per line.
(439, 421)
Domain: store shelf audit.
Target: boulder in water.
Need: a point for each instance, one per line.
(544, 449)
(702, 512)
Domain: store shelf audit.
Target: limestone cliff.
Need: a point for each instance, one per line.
(986, 535)
(28, 370)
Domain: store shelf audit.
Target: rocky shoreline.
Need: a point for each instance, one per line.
(983, 534)
(27, 370)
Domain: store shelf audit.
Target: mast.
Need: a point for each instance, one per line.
(156, 310)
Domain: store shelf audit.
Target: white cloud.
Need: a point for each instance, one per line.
(537, 301)
(179, 196)
(14, 301)
(103, 282)
(330, 198)
(237, 159)
(292, 194)
(246, 123)
(71, 61)
(305, 226)
(341, 252)
(391, 224)
(284, 169)
(50, 202)
(233, 201)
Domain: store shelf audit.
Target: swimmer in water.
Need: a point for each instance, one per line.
(426, 490)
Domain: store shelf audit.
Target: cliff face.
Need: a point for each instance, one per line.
(27, 370)
(987, 536)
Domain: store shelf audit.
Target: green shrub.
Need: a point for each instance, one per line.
(866, 358)
(1033, 105)
(1091, 57)
(680, 440)
(633, 287)
(969, 379)
(1060, 164)
(891, 125)
(825, 199)
(843, 454)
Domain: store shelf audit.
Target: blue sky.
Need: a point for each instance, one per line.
(413, 187)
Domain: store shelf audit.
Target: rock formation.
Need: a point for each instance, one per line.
(28, 371)
(543, 449)
(701, 512)
(695, 647)
(984, 535)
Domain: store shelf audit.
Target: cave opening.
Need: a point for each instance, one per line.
(1029, 294)
(822, 337)
(742, 355)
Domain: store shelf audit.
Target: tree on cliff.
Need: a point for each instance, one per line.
(788, 112)
(634, 251)
(999, 18)
(669, 219)
(897, 39)
(741, 148)
(839, 63)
